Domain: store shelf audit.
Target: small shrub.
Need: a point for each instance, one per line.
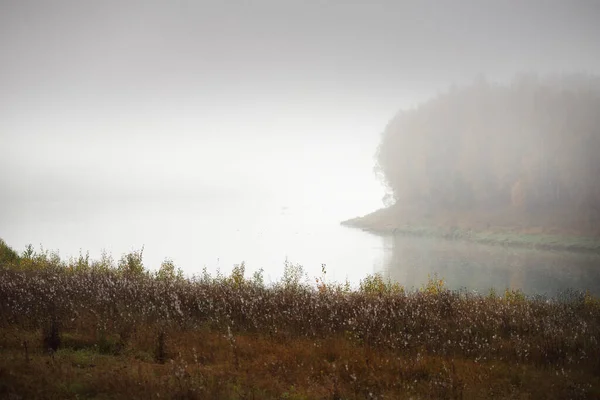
(514, 296)
(105, 263)
(7, 254)
(131, 264)
(42, 260)
(236, 279)
(292, 275)
(258, 278)
(82, 263)
(168, 272)
(434, 285)
(591, 301)
(375, 284)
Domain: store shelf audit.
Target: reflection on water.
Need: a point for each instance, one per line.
(481, 267)
(263, 233)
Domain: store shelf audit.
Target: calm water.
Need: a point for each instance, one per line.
(481, 267)
(262, 234)
(265, 234)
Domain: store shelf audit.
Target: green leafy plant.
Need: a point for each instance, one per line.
(376, 284)
(435, 285)
(131, 264)
(168, 271)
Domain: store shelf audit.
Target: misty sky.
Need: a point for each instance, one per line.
(120, 101)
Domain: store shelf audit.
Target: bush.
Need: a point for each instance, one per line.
(292, 276)
(131, 264)
(168, 272)
(7, 254)
(375, 284)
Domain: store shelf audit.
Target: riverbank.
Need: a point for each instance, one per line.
(500, 228)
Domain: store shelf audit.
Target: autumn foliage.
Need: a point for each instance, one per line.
(86, 329)
(531, 144)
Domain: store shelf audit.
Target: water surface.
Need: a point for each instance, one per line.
(480, 267)
(263, 233)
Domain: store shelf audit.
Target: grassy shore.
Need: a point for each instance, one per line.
(495, 229)
(90, 329)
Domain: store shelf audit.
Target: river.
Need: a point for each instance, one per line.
(480, 267)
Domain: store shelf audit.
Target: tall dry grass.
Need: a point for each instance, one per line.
(164, 334)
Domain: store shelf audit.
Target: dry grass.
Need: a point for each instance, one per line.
(165, 336)
(203, 366)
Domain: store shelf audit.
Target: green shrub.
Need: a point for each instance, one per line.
(434, 285)
(237, 275)
(375, 284)
(258, 278)
(8, 255)
(39, 260)
(168, 272)
(131, 264)
(81, 263)
(292, 275)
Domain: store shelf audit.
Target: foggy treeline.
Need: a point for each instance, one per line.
(530, 144)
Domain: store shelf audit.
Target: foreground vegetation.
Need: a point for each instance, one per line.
(99, 329)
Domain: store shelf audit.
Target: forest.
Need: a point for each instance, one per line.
(529, 146)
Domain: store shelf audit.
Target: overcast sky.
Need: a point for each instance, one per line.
(228, 98)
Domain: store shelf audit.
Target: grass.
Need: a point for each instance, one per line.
(130, 333)
(203, 366)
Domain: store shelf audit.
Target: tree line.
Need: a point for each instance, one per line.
(532, 143)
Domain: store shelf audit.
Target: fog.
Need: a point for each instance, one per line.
(215, 132)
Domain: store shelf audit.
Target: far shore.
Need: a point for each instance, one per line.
(505, 229)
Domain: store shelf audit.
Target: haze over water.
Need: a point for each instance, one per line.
(205, 222)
